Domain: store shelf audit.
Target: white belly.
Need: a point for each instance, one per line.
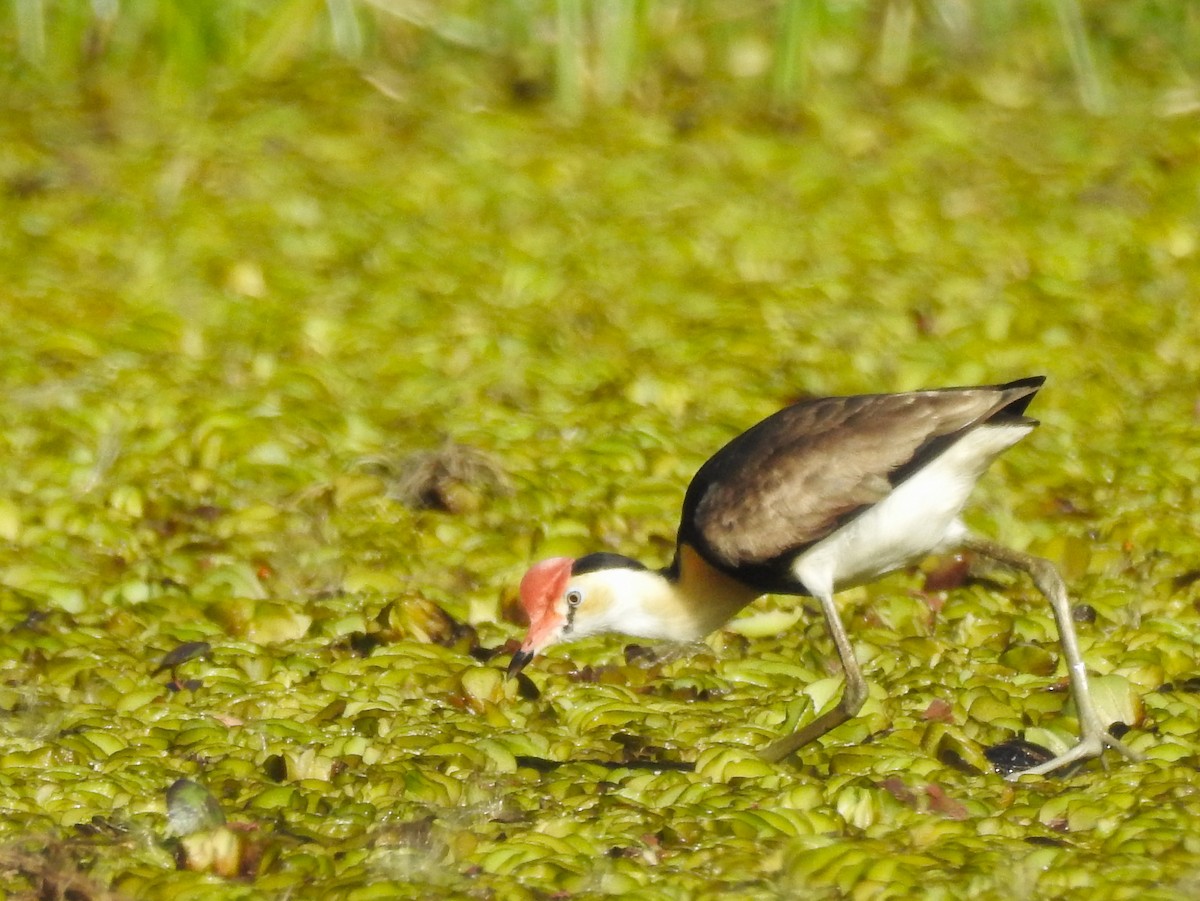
(918, 518)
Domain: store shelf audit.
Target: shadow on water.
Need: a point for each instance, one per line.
(542, 765)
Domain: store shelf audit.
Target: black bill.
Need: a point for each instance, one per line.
(519, 661)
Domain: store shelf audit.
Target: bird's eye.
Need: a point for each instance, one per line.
(574, 597)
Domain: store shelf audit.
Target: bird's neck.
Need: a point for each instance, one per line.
(684, 603)
(712, 597)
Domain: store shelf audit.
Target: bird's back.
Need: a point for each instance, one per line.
(804, 473)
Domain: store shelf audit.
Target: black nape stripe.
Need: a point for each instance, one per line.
(596, 562)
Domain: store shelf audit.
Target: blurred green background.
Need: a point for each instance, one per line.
(322, 320)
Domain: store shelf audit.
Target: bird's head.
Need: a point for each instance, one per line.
(567, 598)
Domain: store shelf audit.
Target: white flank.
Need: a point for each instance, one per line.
(918, 518)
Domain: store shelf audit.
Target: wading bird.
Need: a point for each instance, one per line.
(823, 495)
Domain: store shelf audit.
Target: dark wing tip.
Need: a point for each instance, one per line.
(1021, 392)
(1033, 381)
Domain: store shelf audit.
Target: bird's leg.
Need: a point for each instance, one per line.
(853, 694)
(1094, 736)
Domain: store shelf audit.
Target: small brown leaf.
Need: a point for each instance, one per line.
(949, 575)
(939, 710)
(940, 802)
(895, 787)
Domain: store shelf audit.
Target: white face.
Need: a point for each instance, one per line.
(627, 601)
(607, 600)
(583, 609)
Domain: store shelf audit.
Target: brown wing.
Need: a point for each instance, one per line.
(799, 474)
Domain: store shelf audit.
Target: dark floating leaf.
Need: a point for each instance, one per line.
(1191, 685)
(1016, 754)
(411, 834)
(207, 512)
(951, 574)
(636, 753)
(366, 724)
(677, 692)
(103, 827)
(331, 712)
(1185, 580)
(275, 768)
(1046, 840)
(189, 650)
(484, 655)
(526, 89)
(192, 808)
(526, 688)
(952, 758)
(631, 743)
(34, 620)
(641, 655)
(29, 183)
(542, 765)
(363, 643)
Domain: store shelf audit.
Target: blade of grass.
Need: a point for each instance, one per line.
(31, 29)
(1091, 90)
(570, 57)
(799, 21)
(345, 28)
(895, 42)
(287, 36)
(617, 28)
